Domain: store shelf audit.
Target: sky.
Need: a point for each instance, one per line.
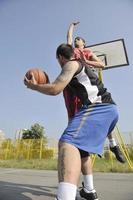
(30, 32)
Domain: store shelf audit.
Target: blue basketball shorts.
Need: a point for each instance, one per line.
(88, 129)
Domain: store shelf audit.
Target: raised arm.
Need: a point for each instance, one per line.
(70, 32)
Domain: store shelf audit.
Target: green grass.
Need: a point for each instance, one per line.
(100, 165)
(48, 164)
(103, 165)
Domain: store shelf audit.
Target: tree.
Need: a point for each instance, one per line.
(36, 140)
(35, 132)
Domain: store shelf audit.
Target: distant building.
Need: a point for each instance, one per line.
(2, 136)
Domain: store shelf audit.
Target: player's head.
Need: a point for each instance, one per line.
(79, 42)
(64, 52)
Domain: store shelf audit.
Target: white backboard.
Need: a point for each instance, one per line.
(112, 53)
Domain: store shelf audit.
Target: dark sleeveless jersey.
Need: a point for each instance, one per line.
(85, 88)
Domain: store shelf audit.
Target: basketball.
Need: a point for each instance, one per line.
(40, 76)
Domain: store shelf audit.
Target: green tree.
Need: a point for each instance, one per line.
(38, 140)
(35, 132)
(27, 134)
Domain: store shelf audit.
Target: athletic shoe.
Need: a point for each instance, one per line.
(90, 195)
(118, 154)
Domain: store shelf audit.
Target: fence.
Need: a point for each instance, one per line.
(26, 149)
(38, 149)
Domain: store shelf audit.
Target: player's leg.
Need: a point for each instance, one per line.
(69, 168)
(88, 191)
(114, 147)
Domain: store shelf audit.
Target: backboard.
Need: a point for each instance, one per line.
(112, 53)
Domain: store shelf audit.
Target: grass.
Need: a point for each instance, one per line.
(48, 164)
(103, 165)
(100, 165)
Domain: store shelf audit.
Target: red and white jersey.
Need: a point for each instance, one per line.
(78, 53)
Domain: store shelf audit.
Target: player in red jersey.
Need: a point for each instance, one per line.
(73, 103)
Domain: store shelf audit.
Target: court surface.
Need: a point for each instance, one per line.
(21, 184)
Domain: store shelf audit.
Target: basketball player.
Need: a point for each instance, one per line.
(88, 129)
(89, 59)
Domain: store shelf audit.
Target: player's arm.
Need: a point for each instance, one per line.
(68, 71)
(94, 61)
(70, 32)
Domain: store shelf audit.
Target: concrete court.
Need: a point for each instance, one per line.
(21, 184)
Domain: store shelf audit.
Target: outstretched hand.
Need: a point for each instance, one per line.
(75, 23)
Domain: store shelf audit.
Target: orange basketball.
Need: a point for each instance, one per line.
(40, 76)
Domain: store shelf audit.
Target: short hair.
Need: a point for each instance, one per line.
(65, 50)
(80, 38)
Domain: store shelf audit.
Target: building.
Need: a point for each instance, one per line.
(2, 136)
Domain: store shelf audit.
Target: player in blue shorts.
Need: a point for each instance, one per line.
(87, 130)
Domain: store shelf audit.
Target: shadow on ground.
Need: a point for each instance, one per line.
(14, 191)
